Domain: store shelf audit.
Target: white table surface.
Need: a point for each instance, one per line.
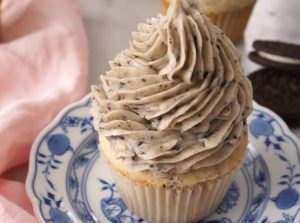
(109, 24)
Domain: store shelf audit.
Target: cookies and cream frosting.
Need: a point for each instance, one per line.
(177, 99)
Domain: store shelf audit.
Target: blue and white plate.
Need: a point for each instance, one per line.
(68, 181)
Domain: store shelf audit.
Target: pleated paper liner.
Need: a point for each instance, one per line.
(161, 205)
(192, 196)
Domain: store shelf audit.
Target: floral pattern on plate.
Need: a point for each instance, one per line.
(69, 182)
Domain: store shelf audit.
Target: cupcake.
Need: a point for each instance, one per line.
(171, 116)
(230, 15)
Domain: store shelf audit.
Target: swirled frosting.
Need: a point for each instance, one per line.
(177, 99)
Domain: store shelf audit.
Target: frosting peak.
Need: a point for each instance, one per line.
(177, 99)
(175, 45)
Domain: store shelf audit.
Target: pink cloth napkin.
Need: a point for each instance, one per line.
(43, 67)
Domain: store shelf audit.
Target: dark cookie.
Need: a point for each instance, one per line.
(268, 63)
(280, 55)
(279, 91)
(278, 48)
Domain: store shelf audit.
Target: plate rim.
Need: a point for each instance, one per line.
(31, 167)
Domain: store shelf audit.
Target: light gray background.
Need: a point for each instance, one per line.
(109, 24)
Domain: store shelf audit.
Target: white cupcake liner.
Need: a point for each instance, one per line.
(172, 205)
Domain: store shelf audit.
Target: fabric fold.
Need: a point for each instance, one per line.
(43, 67)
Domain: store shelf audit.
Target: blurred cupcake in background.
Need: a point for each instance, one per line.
(230, 15)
